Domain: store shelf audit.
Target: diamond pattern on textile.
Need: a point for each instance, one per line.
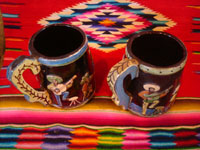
(109, 23)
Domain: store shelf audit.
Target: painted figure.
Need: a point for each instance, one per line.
(151, 96)
(60, 89)
(87, 85)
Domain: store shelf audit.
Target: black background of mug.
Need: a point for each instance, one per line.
(157, 49)
(56, 41)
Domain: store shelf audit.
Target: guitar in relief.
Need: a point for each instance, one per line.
(60, 89)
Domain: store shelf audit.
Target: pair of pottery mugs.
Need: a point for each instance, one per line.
(145, 81)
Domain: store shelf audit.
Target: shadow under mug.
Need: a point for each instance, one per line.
(61, 60)
(146, 82)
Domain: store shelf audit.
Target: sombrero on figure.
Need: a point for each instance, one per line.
(149, 85)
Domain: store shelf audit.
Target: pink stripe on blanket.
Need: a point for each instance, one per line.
(136, 135)
(97, 118)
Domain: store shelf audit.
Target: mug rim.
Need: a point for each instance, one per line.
(58, 60)
(161, 70)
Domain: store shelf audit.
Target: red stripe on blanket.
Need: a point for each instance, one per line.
(186, 143)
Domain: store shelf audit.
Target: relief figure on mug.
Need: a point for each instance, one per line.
(87, 87)
(151, 96)
(60, 89)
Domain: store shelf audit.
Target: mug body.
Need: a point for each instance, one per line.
(161, 58)
(66, 64)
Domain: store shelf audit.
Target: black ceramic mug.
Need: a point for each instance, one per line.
(146, 82)
(60, 57)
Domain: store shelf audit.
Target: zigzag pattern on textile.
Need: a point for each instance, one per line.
(96, 137)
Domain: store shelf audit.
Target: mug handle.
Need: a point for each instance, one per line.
(15, 75)
(116, 77)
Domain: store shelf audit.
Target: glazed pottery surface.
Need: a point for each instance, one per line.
(147, 80)
(61, 60)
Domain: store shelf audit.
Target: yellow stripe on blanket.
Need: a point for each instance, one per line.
(97, 104)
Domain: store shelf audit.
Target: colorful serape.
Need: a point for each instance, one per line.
(100, 124)
(93, 137)
(108, 25)
(91, 127)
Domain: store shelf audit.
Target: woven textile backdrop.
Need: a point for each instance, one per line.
(108, 25)
(100, 124)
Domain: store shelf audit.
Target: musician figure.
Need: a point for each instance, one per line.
(151, 96)
(60, 89)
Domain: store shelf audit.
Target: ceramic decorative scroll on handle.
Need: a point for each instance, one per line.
(15, 75)
(116, 77)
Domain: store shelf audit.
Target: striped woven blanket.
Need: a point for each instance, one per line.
(94, 137)
(98, 125)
